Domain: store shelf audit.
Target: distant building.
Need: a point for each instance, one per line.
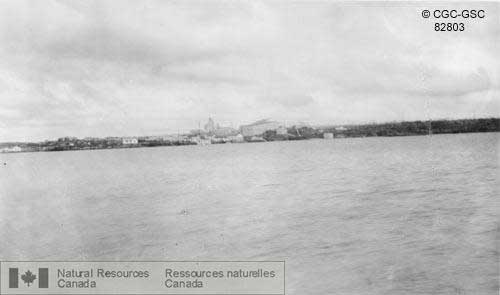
(225, 131)
(259, 127)
(92, 139)
(256, 139)
(328, 135)
(341, 128)
(129, 140)
(67, 139)
(210, 126)
(236, 138)
(14, 149)
(200, 141)
(176, 137)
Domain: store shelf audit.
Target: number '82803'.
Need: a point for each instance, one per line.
(449, 27)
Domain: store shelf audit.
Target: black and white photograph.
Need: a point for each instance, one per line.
(249, 147)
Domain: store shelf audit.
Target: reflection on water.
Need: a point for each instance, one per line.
(403, 215)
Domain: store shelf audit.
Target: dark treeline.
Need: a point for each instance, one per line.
(417, 128)
(389, 129)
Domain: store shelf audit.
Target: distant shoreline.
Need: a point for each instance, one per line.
(249, 142)
(406, 128)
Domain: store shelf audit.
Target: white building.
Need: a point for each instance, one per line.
(129, 140)
(174, 137)
(328, 135)
(201, 141)
(236, 138)
(14, 149)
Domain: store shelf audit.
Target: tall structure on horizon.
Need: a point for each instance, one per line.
(210, 126)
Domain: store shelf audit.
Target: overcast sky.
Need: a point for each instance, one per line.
(100, 68)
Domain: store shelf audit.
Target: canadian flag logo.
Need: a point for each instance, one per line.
(29, 278)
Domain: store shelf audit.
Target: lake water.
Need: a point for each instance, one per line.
(401, 215)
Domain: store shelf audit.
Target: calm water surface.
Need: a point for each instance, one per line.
(403, 215)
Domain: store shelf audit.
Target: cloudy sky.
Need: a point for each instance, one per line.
(99, 68)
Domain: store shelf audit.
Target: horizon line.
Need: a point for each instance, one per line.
(311, 125)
